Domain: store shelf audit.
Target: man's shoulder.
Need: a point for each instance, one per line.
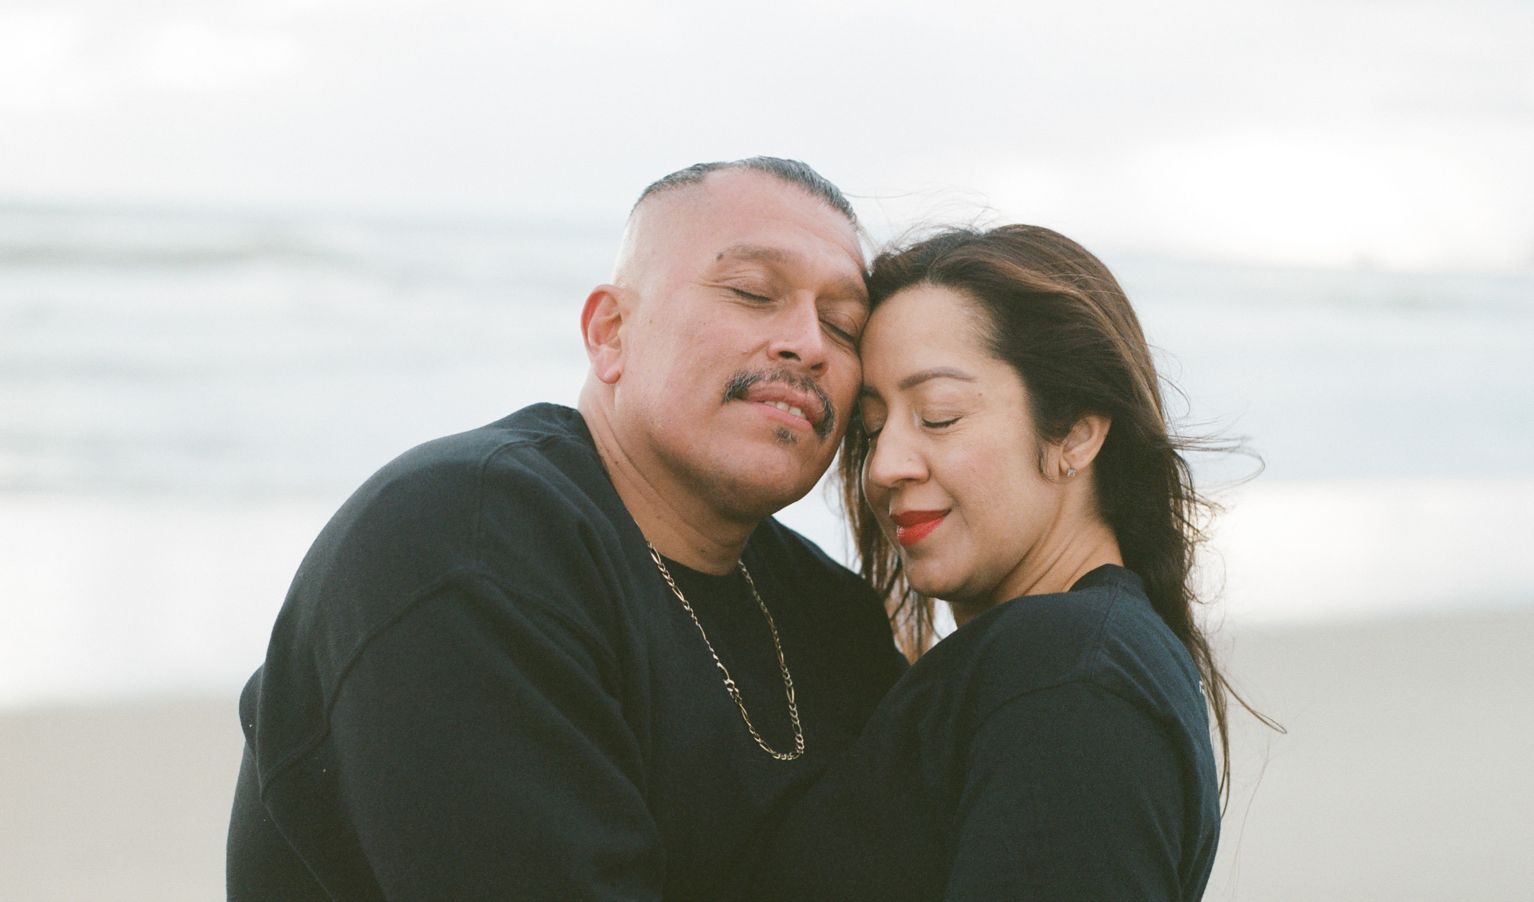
(516, 501)
(821, 598)
(539, 455)
(825, 610)
(493, 499)
(536, 441)
(795, 559)
(518, 511)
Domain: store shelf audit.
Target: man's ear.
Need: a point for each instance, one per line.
(602, 330)
(1083, 442)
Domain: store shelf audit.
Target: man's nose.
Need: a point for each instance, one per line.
(798, 335)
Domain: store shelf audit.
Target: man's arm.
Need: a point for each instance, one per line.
(480, 751)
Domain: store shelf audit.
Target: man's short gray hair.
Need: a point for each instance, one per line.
(791, 171)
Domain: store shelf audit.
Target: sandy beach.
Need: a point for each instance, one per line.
(1402, 776)
(123, 802)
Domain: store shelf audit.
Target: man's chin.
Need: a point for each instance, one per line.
(757, 502)
(759, 492)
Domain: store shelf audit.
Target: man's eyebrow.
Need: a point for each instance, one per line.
(756, 252)
(848, 288)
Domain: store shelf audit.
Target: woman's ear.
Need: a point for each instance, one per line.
(602, 331)
(1082, 443)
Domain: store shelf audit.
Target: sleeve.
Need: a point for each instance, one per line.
(1071, 793)
(481, 752)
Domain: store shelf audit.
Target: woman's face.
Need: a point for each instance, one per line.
(953, 475)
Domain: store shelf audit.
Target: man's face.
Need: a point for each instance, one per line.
(740, 343)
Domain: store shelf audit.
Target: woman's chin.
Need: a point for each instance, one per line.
(929, 581)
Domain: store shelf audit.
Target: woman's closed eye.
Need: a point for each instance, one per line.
(871, 416)
(872, 428)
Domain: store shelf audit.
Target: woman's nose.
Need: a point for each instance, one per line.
(894, 460)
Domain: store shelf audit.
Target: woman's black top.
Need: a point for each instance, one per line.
(1055, 747)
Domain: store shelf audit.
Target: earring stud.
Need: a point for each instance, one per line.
(1069, 472)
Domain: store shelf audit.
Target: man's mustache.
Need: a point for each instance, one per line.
(741, 382)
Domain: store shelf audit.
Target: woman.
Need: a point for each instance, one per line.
(1013, 460)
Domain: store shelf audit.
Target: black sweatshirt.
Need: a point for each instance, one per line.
(479, 687)
(1054, 748)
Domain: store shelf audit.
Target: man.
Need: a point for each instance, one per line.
(569, 655)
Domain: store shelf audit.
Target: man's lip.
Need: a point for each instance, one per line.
(770, 393)
(789, 388)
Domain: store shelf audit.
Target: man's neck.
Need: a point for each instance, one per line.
(680, 525)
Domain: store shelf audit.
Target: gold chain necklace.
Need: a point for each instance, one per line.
(729, 682)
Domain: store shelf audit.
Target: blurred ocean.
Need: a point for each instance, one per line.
(185, 397)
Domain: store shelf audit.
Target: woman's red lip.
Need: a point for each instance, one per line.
(913, 526)
(916, 518)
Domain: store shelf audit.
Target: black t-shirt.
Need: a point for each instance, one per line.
(1055, 748)
(725, 605)
(479, 687)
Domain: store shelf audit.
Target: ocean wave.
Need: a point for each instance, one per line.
(72, 239)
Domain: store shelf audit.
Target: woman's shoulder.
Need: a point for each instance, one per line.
(1102, 632)
(1058, 635)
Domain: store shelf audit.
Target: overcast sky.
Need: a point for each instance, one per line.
(1393, 134)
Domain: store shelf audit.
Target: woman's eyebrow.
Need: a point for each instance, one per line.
(915, 379)
(937, 372)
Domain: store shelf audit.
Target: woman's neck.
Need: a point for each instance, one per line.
(1053, 565)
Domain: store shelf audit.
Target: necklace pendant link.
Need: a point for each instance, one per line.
(729, 681)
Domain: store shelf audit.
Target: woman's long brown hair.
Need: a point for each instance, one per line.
(1058, 317)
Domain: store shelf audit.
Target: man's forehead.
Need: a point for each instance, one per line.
(741, 216)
